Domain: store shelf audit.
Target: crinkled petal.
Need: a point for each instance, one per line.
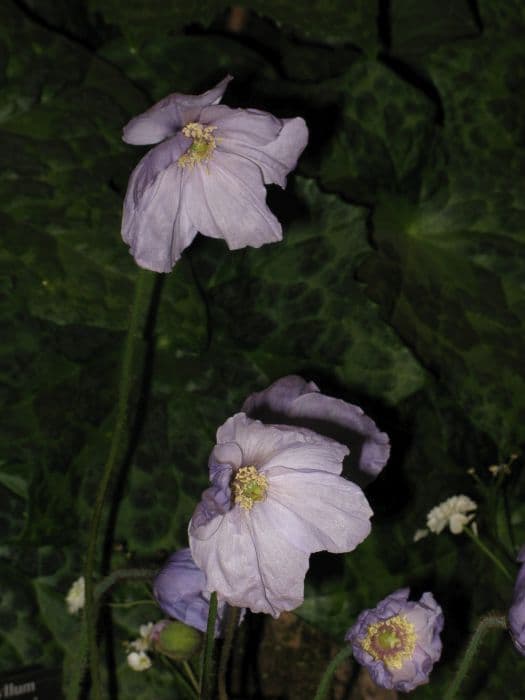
(215, 502)
(180, 591)
(169, 115)
(224, 455)
(227, 199)
(266, 446)
(317, 511)
(249, 567)
(273, 144)
(282, 566)
(294, 401)
(274, 404)
(427, 618)
(247, 125)
(155, 223)
(312, 452)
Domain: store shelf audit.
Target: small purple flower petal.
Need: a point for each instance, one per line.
(399, 640)
(287, 501)
(169, 115)
(517, 609)
(294, 401)
(203, 180)
(180, 591)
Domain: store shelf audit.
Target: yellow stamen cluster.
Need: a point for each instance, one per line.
(203, 145)
(248, 486)
(391, 641)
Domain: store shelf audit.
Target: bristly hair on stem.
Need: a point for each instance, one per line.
(144, 288)
(232, 622)
(487, 622)
(326, 679)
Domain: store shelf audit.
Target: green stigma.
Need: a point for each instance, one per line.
(387, 639)
(248, 487)
(202, 147)
(391, 641)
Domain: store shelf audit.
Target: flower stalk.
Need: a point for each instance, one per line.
(495, 560)
(207, 669)
(232, 621)
(486, 623)
(139, 313)
(326, 679)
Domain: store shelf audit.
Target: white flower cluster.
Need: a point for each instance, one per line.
(138, 659)
(456, 513)
(76, 596)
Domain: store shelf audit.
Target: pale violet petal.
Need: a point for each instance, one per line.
(294, 401)
(273, 144)
(155, 223)
(224, 457)
(229, 201)
(170, 114)
(258, 442)
(238, 572)
(180, 591)
(282, 566)
(247, 125)
(272, 405)
(275, 159)
(266, 446)
(312, 452)
(317, 511)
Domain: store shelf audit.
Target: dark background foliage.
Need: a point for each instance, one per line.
(398, 286)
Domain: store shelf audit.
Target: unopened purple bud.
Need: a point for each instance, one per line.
(180, 590)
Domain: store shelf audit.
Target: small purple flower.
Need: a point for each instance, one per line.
(517, 609)
(399, 640)
(180, 591)
(294, 401)
(207, 174)
(276, 497)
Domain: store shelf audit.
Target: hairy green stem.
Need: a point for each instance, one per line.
(232, 622)
(193, 680)
(123, 575)
(486, 623)
(189, 691)
(139, 311)
(207, 655)
(495, 560)
(76, 670)
(326, 680)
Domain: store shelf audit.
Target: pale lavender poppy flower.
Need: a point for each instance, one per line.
(276, 497)
(180, 591)
(294, 401)
(207, 175)
(399, 640)
(517, 609)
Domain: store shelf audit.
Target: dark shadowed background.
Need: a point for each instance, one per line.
(399, 286)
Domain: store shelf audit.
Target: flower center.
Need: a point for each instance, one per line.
(203, 145)
(391, 641)
(248, 486)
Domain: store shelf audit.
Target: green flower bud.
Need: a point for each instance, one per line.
(178, 641)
